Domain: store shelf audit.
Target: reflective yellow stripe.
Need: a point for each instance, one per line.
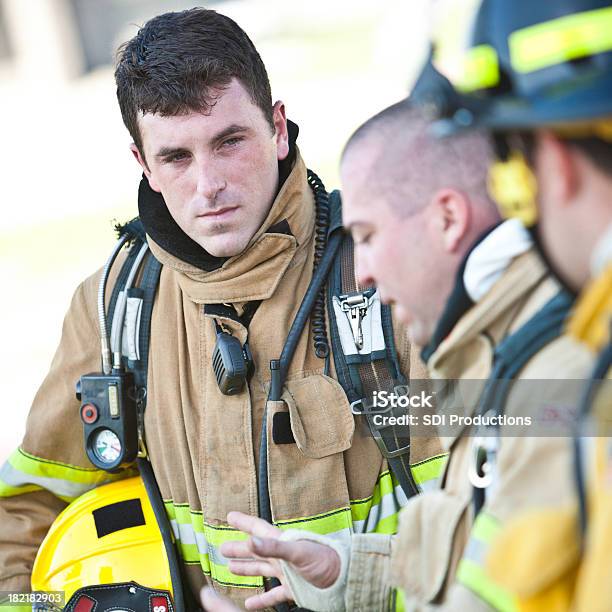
(24, 473)
(215, 536)
(378, 513)
(330, 522)
(485, 527)
(400, 602)
(473, 576)
(480, 69)
(471, 572)
(559, 40)
(199, 543)
(429, 470)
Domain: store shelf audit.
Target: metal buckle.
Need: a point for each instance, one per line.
(366, 410)
(378, 438)
(355, 306)
(356, 403)
(483, 461)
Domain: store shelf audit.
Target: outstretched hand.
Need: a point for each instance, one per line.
(260, 555)
(213, 602)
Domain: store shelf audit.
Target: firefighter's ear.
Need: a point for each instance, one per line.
(451, 216)
(281, 132)
(140, 158)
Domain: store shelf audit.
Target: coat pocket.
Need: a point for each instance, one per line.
(321, 419)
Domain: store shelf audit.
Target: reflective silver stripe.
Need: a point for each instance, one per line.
(343, 535)
(430, 485)
(476, 550)
(390, 504)
(202, 544)
(186, 534)
(215, 556)
(57, 486)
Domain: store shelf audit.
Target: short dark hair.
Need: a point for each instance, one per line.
(176, 59)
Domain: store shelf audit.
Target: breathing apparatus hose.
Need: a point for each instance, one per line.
(279, 368)
(105, 347)
(319, 329)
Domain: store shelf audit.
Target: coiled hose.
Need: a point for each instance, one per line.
(318, 324)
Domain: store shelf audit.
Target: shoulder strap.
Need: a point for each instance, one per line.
(515, 351)
(365, 355)
(510, 357)
(145, 293)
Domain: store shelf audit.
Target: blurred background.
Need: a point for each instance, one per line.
(67, 173)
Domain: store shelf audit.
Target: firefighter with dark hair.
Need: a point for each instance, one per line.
(219, 323)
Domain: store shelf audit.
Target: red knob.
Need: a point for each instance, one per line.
(89, 413)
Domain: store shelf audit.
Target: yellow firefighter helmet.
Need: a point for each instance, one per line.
(107, 536)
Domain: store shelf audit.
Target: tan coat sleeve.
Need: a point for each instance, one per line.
(369, 574)
(52, 449)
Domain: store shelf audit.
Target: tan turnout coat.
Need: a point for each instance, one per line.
(204, 445)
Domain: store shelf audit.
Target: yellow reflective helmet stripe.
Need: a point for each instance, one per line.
(559, 40)
(23, 473)
(480, 69)
(533, 48)
(471, 572)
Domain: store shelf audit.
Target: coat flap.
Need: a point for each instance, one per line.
(321, 418)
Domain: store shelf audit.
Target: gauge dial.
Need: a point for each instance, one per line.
(107, 446)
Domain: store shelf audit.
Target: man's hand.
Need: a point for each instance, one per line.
(213, 602)
(259, 556)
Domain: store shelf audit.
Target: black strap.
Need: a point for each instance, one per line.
(361, 380)
(511, 356)
(148, 287)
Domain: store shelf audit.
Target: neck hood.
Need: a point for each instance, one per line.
(481, 268)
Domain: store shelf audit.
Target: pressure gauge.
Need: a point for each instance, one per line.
(106, 447)
(109, 417)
